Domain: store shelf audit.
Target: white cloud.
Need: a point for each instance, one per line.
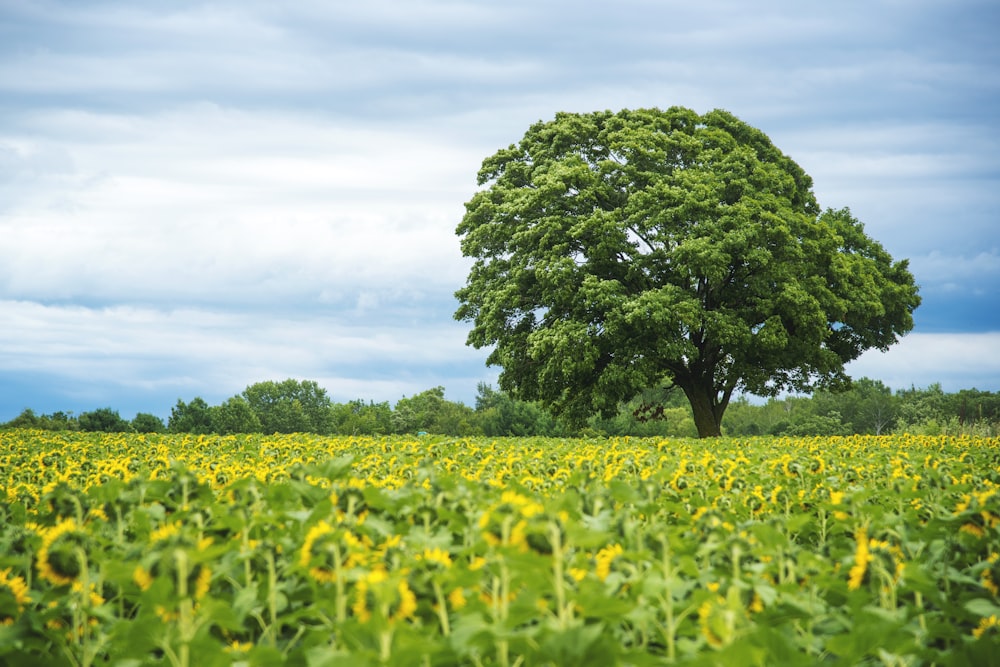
(957, 361)
(916, 185)
(199, 351)
(208, 51)
(978, 274)
(206, 199)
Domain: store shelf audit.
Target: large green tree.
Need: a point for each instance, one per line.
(103, 419)
(194, 417)
(616, 252)
(235, 416)
(290, 406)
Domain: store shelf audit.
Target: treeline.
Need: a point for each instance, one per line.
(870, 407)
(291, 406)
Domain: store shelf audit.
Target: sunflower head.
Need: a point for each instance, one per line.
(351, 500)
(316, 536)
(142, 577)
(13, 596)
(64, 502)
(604, 559)
(59, 560)
(379, 594)
(435, 558)
(327, 548)
(988, 626)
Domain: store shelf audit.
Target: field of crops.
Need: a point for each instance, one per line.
(302, 550)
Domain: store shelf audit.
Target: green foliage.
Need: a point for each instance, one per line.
(103, 419)
(57, 421)
(290, 406)
(615, 252)
(931, 411)
(824, 425)
(920, 406)
(235, 416)
(654, 413)
(147, 423)
(193, 417)
(672, 423)
(869, 407)
(500, 415)
(866, 407)
(27, 419)
(973, 406)
(428, 411)
(359, 418)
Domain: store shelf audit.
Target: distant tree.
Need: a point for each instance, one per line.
(147, 423)
(403, 418)
(235, 416)
(922, 410)
(973, 406)
(500, 415)
(291, 406)
(194, 417)
(103, 419)
(429, 411)
(617, 252)
(743, 418)
(780, 415)
(360, 418)
(57, 421)
(418, 412)
(61, 421)
(869, 407)
(813, 424)
(654, 413)
(27, 419)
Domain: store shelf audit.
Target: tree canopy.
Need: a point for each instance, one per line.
(618, 252)
(289, 406)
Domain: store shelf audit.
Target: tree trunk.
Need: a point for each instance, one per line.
(707, 412)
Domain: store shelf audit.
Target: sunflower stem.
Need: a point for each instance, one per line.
(558, 572)
(272, 597)
(185, 611)
(338, 582)
(442, 609)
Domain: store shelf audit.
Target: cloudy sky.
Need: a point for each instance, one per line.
(196, 196)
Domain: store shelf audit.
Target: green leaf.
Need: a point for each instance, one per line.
(769, 536)
(326, 656)
(470, 634)
(577, 645)
(982, 607)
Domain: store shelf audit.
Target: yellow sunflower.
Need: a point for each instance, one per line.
(861, 559)
(436, 555)
(986, 625)
(604, 558)
(142, 577)
(376, 592)
(58, 560)
(315, 534)
(986, 578)
(16, 588)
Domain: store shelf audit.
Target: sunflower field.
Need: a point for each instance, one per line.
(131, 550)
